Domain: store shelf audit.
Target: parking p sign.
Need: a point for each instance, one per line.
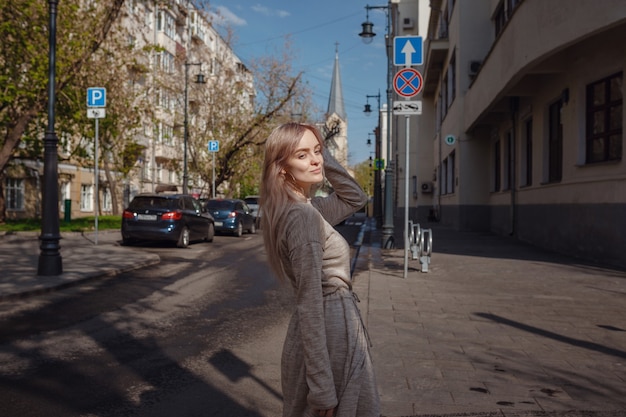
(214, 146)
(96, 97)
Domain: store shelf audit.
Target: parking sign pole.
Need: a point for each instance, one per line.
(95, 172)
(213, 187)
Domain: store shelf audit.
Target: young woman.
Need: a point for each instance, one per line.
(326, 368)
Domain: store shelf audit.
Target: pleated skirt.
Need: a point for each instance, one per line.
(351, 364)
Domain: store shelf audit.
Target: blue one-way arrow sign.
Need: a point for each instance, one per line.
(408, 51)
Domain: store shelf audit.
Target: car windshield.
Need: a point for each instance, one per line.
(219, 205)
(251, 200)
(150, 202)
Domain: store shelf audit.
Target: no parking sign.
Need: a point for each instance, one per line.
(408, 82)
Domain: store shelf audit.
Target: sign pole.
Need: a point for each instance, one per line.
(213, 186)
(96, 103)
(95, 170)
(407, 244)
(214, 146)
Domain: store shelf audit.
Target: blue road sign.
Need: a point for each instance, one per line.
(96, 97)
(214, 145)
(408, 82)
(408, 50)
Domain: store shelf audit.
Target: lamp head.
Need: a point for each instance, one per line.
(367, 34)
(368, 109)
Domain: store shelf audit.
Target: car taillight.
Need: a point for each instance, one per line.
(232, 214)
(172, 215)
(128, 215)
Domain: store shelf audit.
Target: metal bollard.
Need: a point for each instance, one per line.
(415, 240)
(427, 248)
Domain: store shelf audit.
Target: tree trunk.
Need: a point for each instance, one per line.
(3, 214)
(112, 186)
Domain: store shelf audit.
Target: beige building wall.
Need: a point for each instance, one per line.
(515, 74)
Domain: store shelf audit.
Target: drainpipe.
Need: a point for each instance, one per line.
(514, 106)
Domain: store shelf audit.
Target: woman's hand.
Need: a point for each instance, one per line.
(326, 413)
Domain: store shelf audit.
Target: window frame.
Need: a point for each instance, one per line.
(610, 106)
(15, 194)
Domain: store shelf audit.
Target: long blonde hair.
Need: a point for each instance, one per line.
(278, 190)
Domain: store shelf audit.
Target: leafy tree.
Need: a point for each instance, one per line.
(242, 122)
(364, 175)
(24, 69)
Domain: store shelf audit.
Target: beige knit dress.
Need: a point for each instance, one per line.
(326, 361)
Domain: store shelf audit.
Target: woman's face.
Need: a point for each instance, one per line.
(306, 163)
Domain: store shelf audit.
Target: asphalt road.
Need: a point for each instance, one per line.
(200, 334)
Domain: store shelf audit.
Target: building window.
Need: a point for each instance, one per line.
(15, 194)
(167, 133)
(451, 176)
(444, 176)
(444, 96)
(86, 197)
(159, 172)
(507, 162)
(497, 166)
(65, 194)
(499, 19)
(166, 24)
(604, 119)
(452, 79)
(555, 142)
(166, 62)
(107, 204)
(527, 153)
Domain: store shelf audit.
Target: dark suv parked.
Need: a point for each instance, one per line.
(177, 218)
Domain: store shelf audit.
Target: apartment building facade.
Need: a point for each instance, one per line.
(183, 55)
(522, 126)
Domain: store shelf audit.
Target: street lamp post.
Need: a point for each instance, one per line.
(50, 261)
(368, 35)
(199, 80)
(377, 212)
(368, 109)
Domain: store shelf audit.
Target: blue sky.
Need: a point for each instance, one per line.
(314, 28)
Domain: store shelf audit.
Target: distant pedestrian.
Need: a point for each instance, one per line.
(326, 368)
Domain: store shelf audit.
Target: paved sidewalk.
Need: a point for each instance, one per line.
(495, 328)
(82, 260)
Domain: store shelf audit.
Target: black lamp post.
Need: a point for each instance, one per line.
(50, 262)
(368, 109)
(199, 80)
(368, 35)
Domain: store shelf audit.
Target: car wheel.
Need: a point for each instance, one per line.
(183, 238)
(252, 229)
(210, 233)
(239, 229)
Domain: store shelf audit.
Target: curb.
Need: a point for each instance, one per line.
(71, 279)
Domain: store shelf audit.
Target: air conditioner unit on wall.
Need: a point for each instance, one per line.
(474, 67)
(427, 187)
(407, 23)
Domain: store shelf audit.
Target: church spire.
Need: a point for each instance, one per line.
(335, 101)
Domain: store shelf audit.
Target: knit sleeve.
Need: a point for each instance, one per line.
(305, 243)
(347, 196)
